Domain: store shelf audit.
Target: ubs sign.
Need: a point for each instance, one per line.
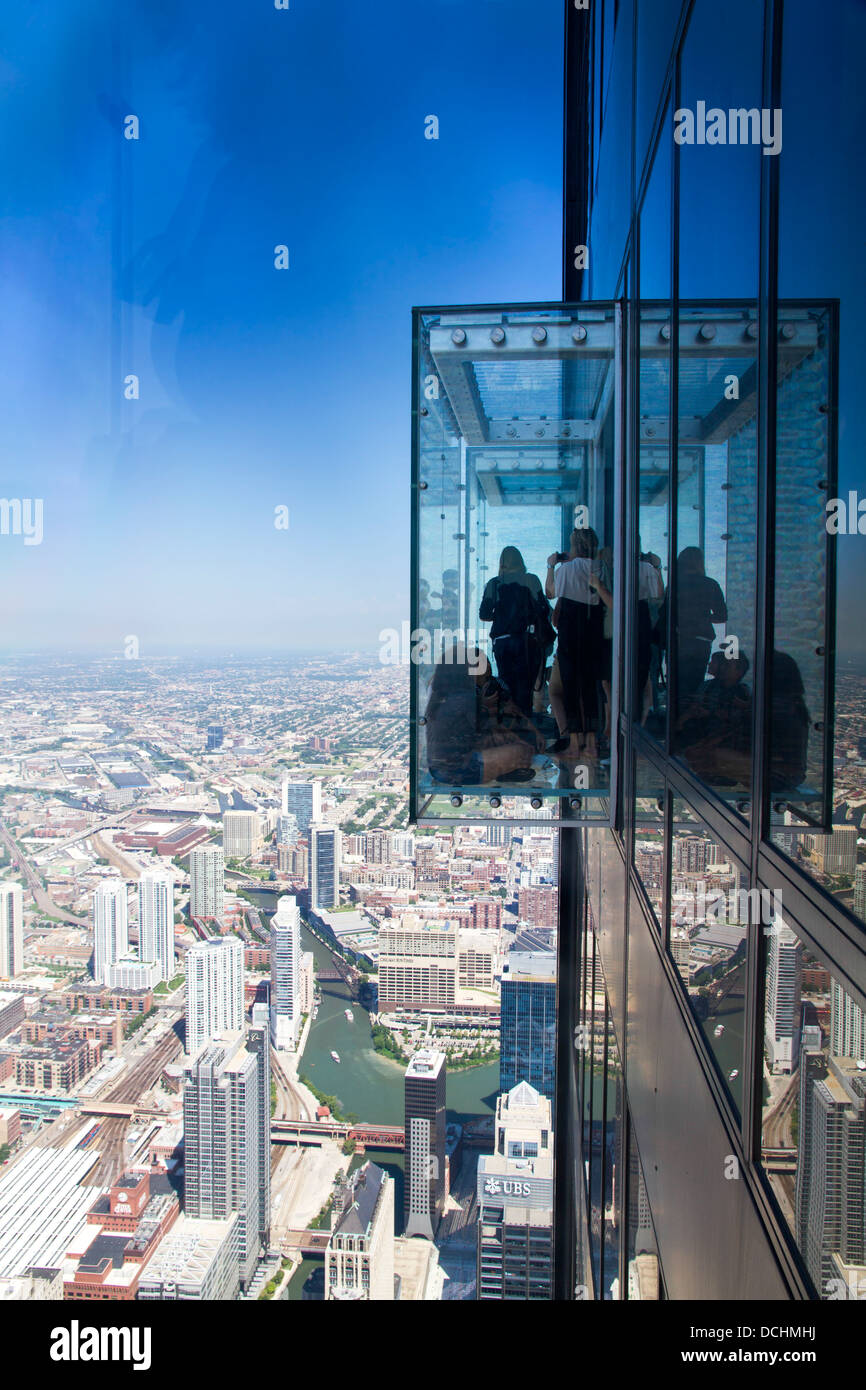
(529, 1192)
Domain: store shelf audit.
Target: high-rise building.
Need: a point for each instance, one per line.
(303, 800)
(426, 853)
(285, 944)
(242, 834)
(418, 963)
(214, 737)
(784, 970)
(259, 1043)
(110, 926)
(847, 1025)
(359, 1260)
(691, 854)
(831, 1144)
(860, 891)
(527, 1048)
(498, 833)
(221, 1129)
(214, 990)
(424, 1182)
(207, 882)
(11, 930)
(836, 853)
(287, 829)
(377, 847)
(156, 921)
(324, 866)
(515, 1201)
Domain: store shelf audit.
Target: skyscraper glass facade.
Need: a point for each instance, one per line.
(671, 452)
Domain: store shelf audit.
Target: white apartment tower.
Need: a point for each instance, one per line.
(156, 921)
(303, 800)
(110, 927)
(214, 990)
(847, 1025)
(784, 975)
(11, 930)
(206, 882)
(285, 946)
(325, 852)
(222, 1106)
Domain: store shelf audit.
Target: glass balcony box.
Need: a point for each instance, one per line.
(527, 503)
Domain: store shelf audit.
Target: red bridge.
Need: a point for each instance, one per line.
(365, 1136)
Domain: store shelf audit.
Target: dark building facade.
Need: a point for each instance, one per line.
(683, 425)
(425, 1125)
(527, 1030)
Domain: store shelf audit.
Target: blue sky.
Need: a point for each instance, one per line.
(262, 388)
(258, 387)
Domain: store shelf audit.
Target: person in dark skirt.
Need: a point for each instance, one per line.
(572, 581)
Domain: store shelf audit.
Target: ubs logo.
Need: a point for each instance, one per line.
(508, 1187)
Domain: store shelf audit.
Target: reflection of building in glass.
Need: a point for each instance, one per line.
(528, 1022)
(784, 966)
(835, 853)
(424, 1185)
(515, 1201)
(831, 1177)
(860, 890)
(847, 1026)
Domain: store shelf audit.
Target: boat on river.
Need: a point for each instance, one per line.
(349, 1015)
(335, 1056)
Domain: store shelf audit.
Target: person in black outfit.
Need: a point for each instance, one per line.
(700, 603)
(515, 605)
(573, 580)
(789, 744)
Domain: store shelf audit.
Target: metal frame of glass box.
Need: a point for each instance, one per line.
(470, 367)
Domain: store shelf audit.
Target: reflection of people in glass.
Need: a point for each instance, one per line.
(715, 730)
(475, 733)
(603, 585)
(650, 595)
(700, 604)
(449, 599)
(789, 742)
(515, 605)
(579, 662)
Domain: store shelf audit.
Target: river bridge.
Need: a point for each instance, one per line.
(314, 1133)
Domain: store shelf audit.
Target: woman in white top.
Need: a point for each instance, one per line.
(572, 580)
